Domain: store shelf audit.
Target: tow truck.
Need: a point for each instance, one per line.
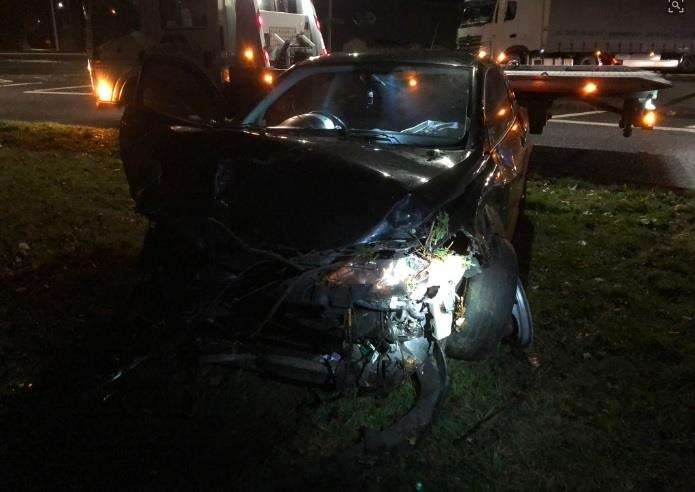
(628, 92)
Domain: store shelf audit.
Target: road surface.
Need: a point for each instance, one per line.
(578, 140)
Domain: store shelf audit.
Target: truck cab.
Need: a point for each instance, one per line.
(635, 33)
(233, 41)
(491, 28)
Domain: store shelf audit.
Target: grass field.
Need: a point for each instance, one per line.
(605, 399)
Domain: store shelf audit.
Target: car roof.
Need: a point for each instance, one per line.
(434, 57)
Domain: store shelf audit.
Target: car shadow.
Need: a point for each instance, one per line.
(612, 167)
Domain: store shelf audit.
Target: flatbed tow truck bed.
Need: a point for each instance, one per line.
(537, 87)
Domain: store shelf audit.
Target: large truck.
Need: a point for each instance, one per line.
(234, 41)
(636, 33)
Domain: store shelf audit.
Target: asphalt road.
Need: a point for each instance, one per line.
(578, 140)
(50, 90)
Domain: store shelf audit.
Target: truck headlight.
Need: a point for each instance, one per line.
(104, 91)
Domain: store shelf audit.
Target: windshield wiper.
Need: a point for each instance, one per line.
(372, 134)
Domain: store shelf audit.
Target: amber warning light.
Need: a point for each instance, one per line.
(590, 88)
(649, 119)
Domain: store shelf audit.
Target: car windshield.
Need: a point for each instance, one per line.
(477, 14)
(419, 105)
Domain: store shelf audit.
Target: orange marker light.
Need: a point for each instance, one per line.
(248, 54)
(649, 119)
(501, 57)
(502, 112)
(268, 78)
(590, 88)
(104, 91)
(412, 82)
(515, 127)
(482, 54)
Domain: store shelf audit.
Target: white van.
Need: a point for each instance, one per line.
(227, 38)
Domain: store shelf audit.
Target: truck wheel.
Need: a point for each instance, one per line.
(128, 92)
(586, 60)
(517, 57)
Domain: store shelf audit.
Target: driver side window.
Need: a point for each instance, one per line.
(173, 91)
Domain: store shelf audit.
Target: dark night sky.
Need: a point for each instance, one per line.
(393, 22)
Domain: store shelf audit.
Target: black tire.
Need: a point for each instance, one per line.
(516, 58)
(127, 93)
(586, 60)
(489, 299)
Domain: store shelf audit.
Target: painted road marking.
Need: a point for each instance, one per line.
(572, 115)
(19, 84)
(62, 91)
(597, 123)
(5, 81)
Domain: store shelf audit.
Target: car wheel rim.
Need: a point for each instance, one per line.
(521, 312)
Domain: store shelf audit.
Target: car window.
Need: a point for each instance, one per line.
(511, 11)
(411, 100)
(499, 110)
(176, 92)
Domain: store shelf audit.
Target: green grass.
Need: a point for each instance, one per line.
(605, 399)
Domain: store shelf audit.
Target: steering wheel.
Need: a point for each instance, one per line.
(337, 121)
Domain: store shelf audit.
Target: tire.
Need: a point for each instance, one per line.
(516, 58)
(128, 92)
(586, 60)
(489, 298)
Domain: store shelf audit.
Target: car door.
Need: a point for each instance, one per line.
(165, 135)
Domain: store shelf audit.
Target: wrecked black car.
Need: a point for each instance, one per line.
(352, 229)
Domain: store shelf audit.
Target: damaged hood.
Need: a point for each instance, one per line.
(327, 192)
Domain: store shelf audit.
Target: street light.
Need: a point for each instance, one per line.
(61, 5)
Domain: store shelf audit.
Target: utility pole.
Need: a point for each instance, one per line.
(55, 27)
